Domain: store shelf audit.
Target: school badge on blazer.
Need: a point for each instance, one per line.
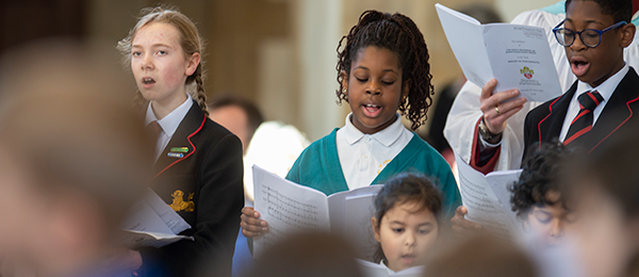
(178, 152)
(178, 204)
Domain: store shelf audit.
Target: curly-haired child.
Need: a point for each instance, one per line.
(383, 68)
(536, 196)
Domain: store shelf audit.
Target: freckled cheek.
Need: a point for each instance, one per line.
(174, 76)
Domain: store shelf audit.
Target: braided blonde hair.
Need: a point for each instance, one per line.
(190, 41)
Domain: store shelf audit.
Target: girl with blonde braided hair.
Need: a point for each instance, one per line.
(198, 164)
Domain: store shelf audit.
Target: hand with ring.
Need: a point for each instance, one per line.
(494, 108)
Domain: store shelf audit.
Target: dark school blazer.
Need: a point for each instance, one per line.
(543, 124)
(205, 186)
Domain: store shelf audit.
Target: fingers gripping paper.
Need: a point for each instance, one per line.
(487, 199)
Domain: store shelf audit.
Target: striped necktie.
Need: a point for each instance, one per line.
(582, 123)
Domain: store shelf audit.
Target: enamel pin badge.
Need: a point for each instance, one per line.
(178, 152)
(180, 149)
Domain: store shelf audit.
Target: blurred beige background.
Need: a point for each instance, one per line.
(279, 53)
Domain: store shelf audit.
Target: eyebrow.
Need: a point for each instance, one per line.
(587, 21)
(418, 225)
(385, 70)
(154, 45)
(542, 211)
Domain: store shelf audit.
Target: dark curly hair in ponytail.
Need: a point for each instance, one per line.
(400, 35)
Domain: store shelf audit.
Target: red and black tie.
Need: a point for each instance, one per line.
(582, 123)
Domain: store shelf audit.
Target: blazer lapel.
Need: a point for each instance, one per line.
(180, 146)
(550, 126)
(616, 113)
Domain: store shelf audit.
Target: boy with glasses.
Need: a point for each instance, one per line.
(595, 56)
(606, 95)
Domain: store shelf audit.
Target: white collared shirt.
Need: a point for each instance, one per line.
(605, 89)
(169, 123)
(364, 156)
(390, 271)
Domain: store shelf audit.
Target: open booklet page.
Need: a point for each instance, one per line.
(518, 56)
(151, 222)
(289, 208)
(137, 239)
(370, 269)
(487, 199)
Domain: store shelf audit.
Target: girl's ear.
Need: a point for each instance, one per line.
(344, 76)
(405, 89)
(627, 34)
(375, 229)
(192, 64)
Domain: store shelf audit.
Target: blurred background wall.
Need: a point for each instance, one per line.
(279, 53)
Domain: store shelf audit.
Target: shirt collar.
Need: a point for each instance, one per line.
(171, 121)
(607, 87)
(386, 137)
(383, 263)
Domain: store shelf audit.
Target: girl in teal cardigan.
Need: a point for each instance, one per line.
(382, 69)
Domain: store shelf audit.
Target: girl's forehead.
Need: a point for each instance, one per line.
(404, 208)
(374, 54)
(158, 33)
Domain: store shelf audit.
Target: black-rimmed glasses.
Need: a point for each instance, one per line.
(589, 37)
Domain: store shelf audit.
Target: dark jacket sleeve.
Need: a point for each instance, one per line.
(219, 200)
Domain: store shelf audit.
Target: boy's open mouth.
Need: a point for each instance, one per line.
(579, 66)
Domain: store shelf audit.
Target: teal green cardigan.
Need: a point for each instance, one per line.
(318, 167)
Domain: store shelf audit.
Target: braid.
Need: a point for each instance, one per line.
(200, 94)
(400, 35)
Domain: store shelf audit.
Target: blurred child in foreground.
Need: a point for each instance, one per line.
(72, 158)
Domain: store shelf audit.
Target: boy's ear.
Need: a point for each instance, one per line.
(375, 229)
(192, 63)
(627, 34)
(526, 224)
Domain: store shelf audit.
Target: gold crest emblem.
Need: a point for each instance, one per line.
(179, 204)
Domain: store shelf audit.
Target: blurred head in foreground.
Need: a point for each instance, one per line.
(605, 191)
(536, 197)
(480, 256)
(72, 155)
(310, 255)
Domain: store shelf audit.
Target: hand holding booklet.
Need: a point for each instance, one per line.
(289, 208)
(518, 56)
(487, 199)
(153, 223)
